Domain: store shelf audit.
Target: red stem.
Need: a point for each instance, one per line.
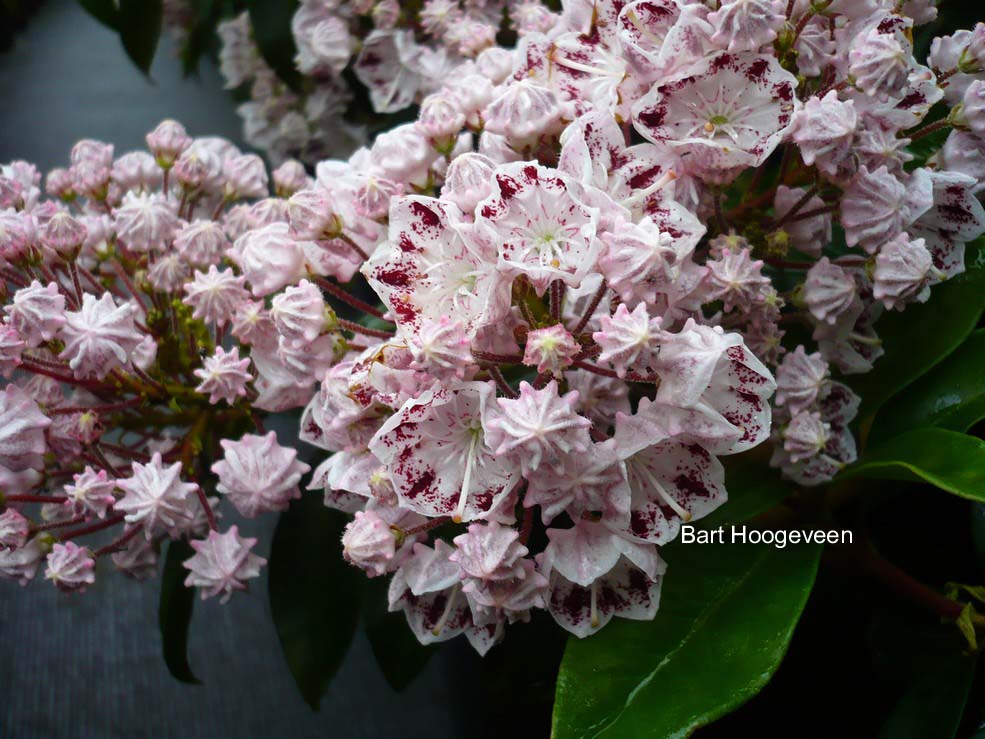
(360, 329)
(118, 544)
(93, 528)
(351, 300)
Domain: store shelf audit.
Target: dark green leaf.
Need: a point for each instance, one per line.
(934, 704)
(920, 337)
(398, 653)
(726, 617)
(950, 460)
(951, 396)
(104, 11)
(201, 33)
(314, 593)
(271, 23)
(140, 30)
(174, 612)
(752, 489)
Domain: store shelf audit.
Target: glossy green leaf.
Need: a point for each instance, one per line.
(174, 613)
(314, 593)
(933, 706)
(951, 396)
(398, 653)
(752, 489)
(950, 460)
(104, 11)
(920, 337)
(726, 617)
(271, 22)
(139, 23)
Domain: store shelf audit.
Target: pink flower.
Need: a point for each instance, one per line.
(289, 177)
(257, 475)
(737, 280)
(246, 177)
(11, 349)
(469, 180)
(70, 567)
(63, 233)
(91, 493)
(799, 379)
(269, 258)
(224, 376)
(22, 440)
(522, 113)
(167, 141)
(37, 313)
(539, 426)
(550, 349)
(879, 61)
(829, 290)
(215, 295)
(628, 340)
(99, 337)
(22, 564)
(370, 544)
(222, 564)
(442, 348)
(299, 313)
(746, 25)
(155, 496)
(201, 243)
(805, 436)
(488, 552)
(146, 222)
(13, 530)
(823, 129)
(903, 272)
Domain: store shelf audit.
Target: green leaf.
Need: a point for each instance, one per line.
(727, 614)
(920, 337)
(398, 653)
(952, 396)
(104, 11)
(271, 23)
(140, 30)
(752, 489)
(314, 593)
(950, 460)
(934, 704)
(174, 613)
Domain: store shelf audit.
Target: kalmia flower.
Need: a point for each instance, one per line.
(258, 475)
(70, 567)
(224, 376)
(99, 337)
(222, 564)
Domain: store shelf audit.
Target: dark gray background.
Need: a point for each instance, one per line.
(90, 666)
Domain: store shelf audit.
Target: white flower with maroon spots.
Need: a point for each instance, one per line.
(704, 366)
(544, 230)
(426, 271)
(436, 452)
(730, 111)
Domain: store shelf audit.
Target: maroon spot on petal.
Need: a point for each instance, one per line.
(422, 485)
(427, 216)
(652, 117)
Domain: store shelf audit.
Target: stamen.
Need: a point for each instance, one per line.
(446, 613)
(463, 497)
(664, 495)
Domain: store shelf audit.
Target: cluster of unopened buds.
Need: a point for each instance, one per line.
(581, 263)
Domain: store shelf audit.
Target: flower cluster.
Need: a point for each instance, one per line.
(528, 325)
(123, 381)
